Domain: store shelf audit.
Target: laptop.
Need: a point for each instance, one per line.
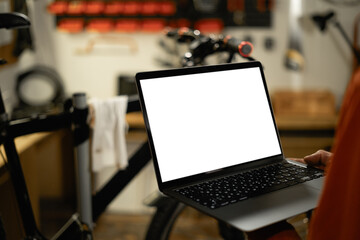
(216, 147)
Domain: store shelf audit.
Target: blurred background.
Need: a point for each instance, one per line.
(97, 46)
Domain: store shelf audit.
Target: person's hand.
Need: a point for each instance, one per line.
(319, 159)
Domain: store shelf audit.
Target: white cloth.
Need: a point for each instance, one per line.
(108, 140)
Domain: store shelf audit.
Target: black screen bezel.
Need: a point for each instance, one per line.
(141, 76)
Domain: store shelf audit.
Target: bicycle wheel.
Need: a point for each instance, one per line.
(167, 213)
(163, 220)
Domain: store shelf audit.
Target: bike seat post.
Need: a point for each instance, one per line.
(83, 174)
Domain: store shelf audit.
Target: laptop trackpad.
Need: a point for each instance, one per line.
(264, 210)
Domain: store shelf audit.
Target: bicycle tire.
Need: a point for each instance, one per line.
(163, 220)
(167, 213)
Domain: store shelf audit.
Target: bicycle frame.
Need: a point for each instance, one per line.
(90, 207)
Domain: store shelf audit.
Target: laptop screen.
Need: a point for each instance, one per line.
(206, 121)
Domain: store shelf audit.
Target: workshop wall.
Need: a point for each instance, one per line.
(91, 62)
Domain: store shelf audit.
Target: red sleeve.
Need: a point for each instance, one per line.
(338, 212)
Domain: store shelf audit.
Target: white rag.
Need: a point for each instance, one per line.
(108, 139)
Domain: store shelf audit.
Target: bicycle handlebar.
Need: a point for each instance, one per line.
(201, 46)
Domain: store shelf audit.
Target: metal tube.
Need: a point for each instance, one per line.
(82, 161)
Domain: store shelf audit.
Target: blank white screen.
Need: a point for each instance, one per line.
(203, 122)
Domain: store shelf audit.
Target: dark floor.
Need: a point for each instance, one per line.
(191, 225)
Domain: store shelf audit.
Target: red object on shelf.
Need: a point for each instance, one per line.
(212, 25)
(127, 25)
(76, 7)
(172, 24)
(100, 25)
(114, 8)
(179, 23)
(150, 8)
(71, 25)
(263, 6)
(94, 7)
(153, 25)
(131, 8)
(58, 7)
(235, 5)
(183, 23)
(167, 8)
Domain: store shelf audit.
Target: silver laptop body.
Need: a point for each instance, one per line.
(211, 122)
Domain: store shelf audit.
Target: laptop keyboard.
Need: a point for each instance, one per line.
(231, 189)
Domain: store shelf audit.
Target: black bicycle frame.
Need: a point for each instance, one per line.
(75, 119)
